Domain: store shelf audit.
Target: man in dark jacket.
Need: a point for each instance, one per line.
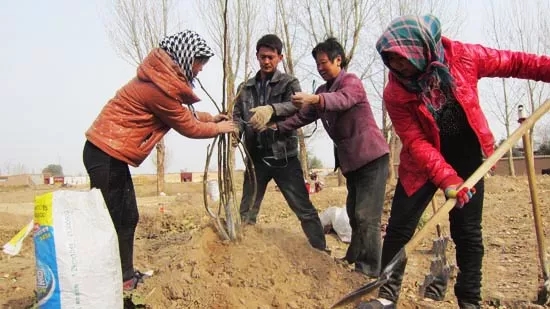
(266, 97)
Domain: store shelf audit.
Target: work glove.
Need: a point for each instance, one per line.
(462, 196)
(261, 117)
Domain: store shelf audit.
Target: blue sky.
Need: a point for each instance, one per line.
(59, 69)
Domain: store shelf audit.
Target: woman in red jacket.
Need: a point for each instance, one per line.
(134, 121)
(432, 100)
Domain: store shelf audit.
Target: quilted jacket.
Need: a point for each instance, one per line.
(144, 110)
(420, 158)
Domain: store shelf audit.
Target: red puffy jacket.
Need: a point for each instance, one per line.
(420, 158)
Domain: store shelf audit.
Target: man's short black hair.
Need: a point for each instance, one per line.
(270, 41)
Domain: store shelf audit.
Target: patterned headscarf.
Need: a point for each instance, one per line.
(183, 47)
(418, 38)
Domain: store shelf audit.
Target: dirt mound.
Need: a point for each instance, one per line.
(269, 267)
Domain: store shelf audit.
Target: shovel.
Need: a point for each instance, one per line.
(440, 269)
(544, 289)
(401, 256)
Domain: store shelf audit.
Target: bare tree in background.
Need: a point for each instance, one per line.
(136, 27)
(11, 169)
(504, 105)
(285, 27)
(344, 20)
(243, 23)
(525, 29)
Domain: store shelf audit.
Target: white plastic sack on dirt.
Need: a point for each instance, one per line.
(76, 247)
(338, 219)
(13, 247)
(213, 190)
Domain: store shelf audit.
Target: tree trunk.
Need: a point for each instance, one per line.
(303, 152)
(392, 155)
(511, 168)
(160, 166)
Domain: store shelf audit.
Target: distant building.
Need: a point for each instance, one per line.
(17, 180)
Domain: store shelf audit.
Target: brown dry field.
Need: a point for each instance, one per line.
(272, 266)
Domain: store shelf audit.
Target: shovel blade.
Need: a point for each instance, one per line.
(358, 293)
(399, 258)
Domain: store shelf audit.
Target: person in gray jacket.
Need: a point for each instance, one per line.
(263, 98)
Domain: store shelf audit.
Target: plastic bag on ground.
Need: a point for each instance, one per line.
(337, 219)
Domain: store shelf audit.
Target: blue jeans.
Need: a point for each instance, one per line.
(364, 204)
(289, 177)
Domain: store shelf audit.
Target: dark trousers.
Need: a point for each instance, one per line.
(113, 178)
(465, 227)
(364, 204)
(289, 177)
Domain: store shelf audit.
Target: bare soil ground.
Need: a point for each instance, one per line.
(272, 266)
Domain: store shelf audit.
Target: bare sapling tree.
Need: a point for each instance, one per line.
(135, 27)
(231, 25)
(243, 25)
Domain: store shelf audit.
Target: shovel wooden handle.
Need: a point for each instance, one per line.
(478, 174)
(530, 165)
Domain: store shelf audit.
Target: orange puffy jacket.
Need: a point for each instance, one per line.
(145, 109)
(420, 158)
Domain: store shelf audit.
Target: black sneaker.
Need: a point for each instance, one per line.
(379, 303)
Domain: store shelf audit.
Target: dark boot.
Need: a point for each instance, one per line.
(466, 305)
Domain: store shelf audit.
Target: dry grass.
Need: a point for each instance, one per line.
(272, 266)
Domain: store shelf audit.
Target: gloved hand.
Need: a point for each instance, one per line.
(462, 196)
(261, 117)
(450, 186)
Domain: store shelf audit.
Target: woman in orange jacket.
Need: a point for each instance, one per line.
(136, 119)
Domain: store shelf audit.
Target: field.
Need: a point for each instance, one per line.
(272, 266)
